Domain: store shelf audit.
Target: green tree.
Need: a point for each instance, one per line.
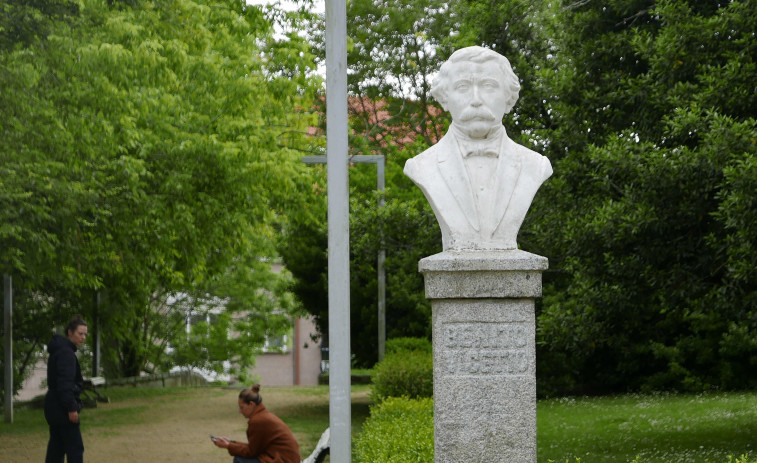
(404, 227)
(145, 157)
(644, 109)
(24, 22)
(393, 51)
(395, 48)
(652, 139)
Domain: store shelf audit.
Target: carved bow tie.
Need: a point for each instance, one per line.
(489, 149)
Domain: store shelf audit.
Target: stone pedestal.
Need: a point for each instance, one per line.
(484, 354)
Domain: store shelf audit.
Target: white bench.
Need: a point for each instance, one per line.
(90, 385)
(321, 449)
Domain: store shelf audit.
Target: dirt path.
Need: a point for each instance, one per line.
(166, 429)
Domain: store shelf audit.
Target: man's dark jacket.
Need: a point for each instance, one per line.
(64, 381)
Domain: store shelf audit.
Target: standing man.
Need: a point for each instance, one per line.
(62, 403)
(479, 182)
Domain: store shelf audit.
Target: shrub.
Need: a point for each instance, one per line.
(396, 345)
(404, 374)
(399, 430)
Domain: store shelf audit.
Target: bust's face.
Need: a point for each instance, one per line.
(476, 97)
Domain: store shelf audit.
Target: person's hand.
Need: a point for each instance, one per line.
(222, 442)
(73, 417)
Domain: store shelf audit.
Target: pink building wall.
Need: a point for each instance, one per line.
(300, 366)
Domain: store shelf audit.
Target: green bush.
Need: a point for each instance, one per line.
(404, 374)
(396, 345)
(399, 430)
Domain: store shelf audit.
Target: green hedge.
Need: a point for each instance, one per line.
(399, 430)
(396, 345)
(404, 374)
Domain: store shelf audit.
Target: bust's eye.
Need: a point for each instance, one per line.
(489, 84)
(462, 86)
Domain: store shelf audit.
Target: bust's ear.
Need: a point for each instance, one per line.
(440, 95)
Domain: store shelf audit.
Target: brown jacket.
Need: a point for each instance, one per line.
(269, 439)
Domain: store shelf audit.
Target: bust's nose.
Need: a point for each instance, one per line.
(476, 97)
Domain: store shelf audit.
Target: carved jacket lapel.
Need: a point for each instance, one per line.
(450, 162)
(508, 171)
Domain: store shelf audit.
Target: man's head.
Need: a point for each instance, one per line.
(478, 87)
(76, 331)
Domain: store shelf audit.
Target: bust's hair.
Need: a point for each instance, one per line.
(75, 323)
(511, 83)
(251, 394)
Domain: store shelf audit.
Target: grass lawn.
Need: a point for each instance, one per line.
(655, 428)
(172, 425)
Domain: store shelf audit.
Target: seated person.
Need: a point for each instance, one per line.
(269, 439)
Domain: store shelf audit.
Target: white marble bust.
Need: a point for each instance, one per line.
(479, 182)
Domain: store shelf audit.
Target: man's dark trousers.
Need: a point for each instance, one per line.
(65, 440)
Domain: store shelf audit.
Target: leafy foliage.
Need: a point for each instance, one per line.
(408, 373)
(399, 430)
(647, 290)
(23, 22)
(394, 48)
(398, 345)
(404, 227)
(143, 144)
(645, 110)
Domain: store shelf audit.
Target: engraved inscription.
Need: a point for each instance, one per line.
(484, 335)
(485, 362)
(484, 349)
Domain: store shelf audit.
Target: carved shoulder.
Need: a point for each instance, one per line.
(423, 162)
(542, 168)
